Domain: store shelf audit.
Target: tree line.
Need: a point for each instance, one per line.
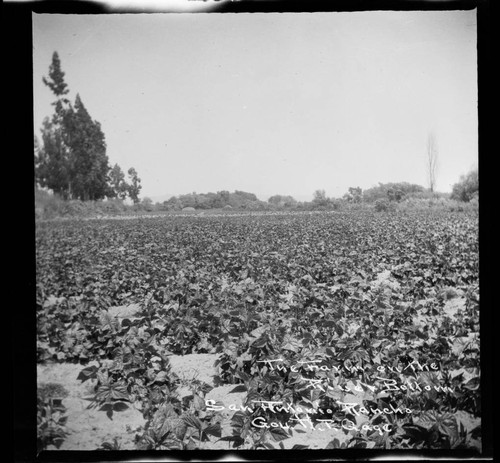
(393, 192)
(71, 161)
(71, 158)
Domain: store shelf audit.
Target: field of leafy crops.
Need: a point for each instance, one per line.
(365, 325)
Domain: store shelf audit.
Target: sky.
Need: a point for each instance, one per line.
(272, 103)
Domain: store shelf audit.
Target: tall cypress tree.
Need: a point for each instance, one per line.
(90, 165)
(52, 163)
(72, 161)
(55, 81)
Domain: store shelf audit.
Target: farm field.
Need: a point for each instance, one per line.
(259, 331)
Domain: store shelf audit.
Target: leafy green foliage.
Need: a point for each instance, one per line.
(119, 186)
(134, 187)
(383, 205)
(303, 289)
(114, 445)
(467, 187)
(51, 422)
(55, 80)
(392, 191)
(354, 194)
(282, 201)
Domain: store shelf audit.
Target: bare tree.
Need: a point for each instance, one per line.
(432, 159)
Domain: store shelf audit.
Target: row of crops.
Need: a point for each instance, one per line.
(293, 305)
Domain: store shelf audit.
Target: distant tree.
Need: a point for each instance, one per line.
(203, 201)
(432, 160)
(245, 196)
(467, 187)
(242, 199)
(282, 201)
(147, 204)
(211, 201)
(188, 200)
(173, 203)
(391, 191)
(354, 194)
(134, 187)
(275, 199)
(320, 198)
(395, 194)
(119, 187)
(223, 198)
(334, 204)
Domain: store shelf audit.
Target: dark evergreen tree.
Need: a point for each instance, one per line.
(72, 159)
(55, 81)
(52, 159)
(89, 162)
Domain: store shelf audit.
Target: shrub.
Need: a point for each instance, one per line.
(467, 187)
(111, 206)
(392, 191)
(47, 205)
(147, 204)
(335, 205)
(383, 205)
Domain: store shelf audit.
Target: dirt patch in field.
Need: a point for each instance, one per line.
(88, 428)
(194, 367)
(385, 282)
(453, 307)
(124, 311)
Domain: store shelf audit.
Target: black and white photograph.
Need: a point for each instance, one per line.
(257, 231)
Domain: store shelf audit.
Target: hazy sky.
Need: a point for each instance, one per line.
(271, 103)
